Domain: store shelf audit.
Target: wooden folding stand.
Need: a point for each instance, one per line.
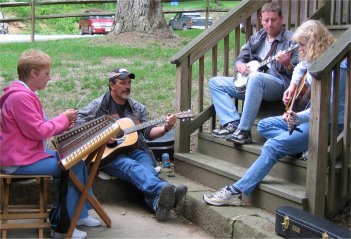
(94, 160)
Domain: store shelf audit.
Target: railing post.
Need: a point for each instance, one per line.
(318, 145)
(33, 21)
(183, 102)
(347, 130)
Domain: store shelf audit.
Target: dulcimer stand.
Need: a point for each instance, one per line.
(94, 160)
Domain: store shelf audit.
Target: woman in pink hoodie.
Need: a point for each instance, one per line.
(25, 128)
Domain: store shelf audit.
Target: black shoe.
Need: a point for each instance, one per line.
(226, 130)
(240, 137)
(165, 202)
(180, 192)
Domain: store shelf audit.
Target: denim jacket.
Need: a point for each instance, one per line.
(250, 49)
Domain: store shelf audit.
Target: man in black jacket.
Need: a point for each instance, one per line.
(137, 165)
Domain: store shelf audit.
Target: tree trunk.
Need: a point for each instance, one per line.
(139, 15)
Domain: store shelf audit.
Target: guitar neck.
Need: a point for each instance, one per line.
(144, 125)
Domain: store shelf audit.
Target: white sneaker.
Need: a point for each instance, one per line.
(78, 234)
(223, 197)
(104, 176)
(158, 169)
(89, 222)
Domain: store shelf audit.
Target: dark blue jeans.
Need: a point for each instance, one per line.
(137, 168)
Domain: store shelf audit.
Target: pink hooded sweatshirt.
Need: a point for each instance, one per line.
(23, 127)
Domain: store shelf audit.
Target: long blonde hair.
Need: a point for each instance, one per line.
(317, 38)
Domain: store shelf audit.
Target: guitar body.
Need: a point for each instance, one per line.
(298, 102)
(128, 140)
(240, 80)
(125, 143)
(301, 98)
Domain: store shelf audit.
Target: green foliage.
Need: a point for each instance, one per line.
(81, 67)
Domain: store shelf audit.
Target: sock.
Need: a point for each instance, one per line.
(234, 190)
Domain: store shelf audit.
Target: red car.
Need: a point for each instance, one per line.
(95, 25)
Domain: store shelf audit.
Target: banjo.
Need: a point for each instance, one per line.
(240, 80)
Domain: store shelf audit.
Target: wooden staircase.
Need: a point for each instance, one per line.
(312, 185)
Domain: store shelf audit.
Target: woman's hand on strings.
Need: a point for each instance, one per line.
(288, 94)
(289, 116)
(71, 115)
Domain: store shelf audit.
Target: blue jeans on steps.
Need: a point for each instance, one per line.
(260, 86)
(279, 144)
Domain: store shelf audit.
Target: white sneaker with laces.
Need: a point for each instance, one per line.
(223, 197)
(225, 131)
(89, 222)
(77, 234)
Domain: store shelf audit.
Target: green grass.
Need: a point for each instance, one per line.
(81, 67)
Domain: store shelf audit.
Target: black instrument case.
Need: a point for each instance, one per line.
(296, 223)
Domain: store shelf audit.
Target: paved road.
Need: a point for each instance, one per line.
(26, 38)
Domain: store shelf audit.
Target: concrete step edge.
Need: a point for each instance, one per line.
(225, 221)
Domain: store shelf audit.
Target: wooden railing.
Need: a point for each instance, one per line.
(206, 53)
(322, 160)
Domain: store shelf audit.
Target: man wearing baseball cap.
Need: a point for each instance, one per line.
(138, 165)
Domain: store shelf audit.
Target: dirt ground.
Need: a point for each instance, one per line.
(165, 37)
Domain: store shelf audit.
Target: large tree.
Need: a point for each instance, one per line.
(140, 16)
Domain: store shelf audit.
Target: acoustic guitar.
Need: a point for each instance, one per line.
(298, 102)
(127, 140)
(240, 80)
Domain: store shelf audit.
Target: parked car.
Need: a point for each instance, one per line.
(200, 22)
(95, 25)
(4, 27)
(182, 20)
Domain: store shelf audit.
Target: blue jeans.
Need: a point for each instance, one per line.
(260, 86)
(49, 166)
(137, 168)
(278, 145)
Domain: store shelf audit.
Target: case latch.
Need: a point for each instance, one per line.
(285, 223)
(325, 235)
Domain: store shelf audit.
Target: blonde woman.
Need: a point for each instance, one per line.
(314, 39)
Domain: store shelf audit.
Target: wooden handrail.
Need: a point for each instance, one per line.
(319, 158)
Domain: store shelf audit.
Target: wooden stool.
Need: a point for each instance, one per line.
(21, 212)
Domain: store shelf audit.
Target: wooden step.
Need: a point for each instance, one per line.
(215, 173)
(288, 168)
